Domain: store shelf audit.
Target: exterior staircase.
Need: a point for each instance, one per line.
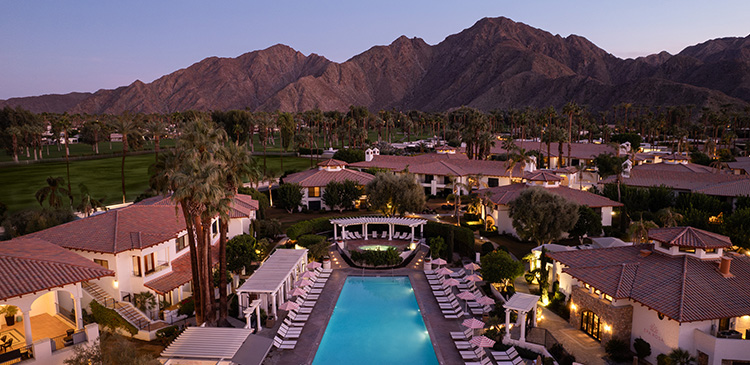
(125, 309)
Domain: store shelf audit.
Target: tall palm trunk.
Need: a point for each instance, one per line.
(195, 284)
(122, 165)
(203, 230)
(223, 307)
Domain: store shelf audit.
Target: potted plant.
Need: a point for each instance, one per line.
(9, 311)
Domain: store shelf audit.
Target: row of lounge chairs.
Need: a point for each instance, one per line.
(472, 354)
(358, 236)
(436, 281)
(291, 328)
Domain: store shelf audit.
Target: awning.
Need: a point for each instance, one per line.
(522, 302)
(216, 344)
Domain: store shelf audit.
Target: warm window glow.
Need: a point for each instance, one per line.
(607, 328)
(313, 192)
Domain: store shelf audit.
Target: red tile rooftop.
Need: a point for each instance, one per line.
(315, 177)
(29, 265)
(689, 237)
(503, 195)
(681, 287)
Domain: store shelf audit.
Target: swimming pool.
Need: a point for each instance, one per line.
(376, 321)
(376, 247)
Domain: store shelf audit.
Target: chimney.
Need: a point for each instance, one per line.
(645, 253)
(724, 267)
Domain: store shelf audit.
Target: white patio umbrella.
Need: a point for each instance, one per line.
(288, 305)
(444, 271)
(474, 277)
(307, 274)
(485, 300)
(472, 266)
(473, 323)
(303, 282)
(439, 262)
(451, 282)
(297, 292)
(483, 342)
(466, 296)
(314, 265)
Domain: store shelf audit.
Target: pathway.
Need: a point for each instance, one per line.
(585, 349)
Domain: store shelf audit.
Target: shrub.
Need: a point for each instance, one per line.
(310, 240)
(167, 334)
(487, 247)
(663, 359)
(316, 225)
(617, 350)
(389, 257)
(110, 319)
(642, 348)
(187, 307)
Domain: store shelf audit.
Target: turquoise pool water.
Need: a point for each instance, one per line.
(376, 321)
(376, 247)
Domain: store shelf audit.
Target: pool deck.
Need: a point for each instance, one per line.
(438, 327)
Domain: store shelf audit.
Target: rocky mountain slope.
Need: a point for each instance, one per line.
(496, 63)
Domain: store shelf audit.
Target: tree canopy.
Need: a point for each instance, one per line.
(395, 194)
(541, 216)
(289, 196)
(341, 195)
(589, 223)
(499, 267)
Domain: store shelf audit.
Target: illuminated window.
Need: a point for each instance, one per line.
(136, 266)
(709, 250)
(607, 298)
(181, 243)
(103, 263)
(687, 249)
(313, 192)
(148, 262)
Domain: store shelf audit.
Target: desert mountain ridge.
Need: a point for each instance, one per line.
(495, 64)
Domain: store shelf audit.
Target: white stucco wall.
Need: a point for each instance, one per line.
(606, 216)
(663, 335)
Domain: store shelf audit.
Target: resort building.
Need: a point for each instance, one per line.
(437, 172)
(687, 178)
(580, 153)
(314, 181)
(497, 199)
(741, 166)
(145, 246)
(42, 281)
(679, 290)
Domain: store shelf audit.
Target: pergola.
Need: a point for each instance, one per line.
(364, 221)
(212, 345)
(521, 303)
(273, 279)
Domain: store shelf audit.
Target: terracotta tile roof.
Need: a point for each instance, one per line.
(678, 177)
(315, 177)
(676, 167)
(243, 206)
(577, 150)
(742, 163)
(683, 288)
(332, 162)
(441, 164)
(29, 265)
(137, 226)
(675, 156)
(503, 195)
(541, 175)
(689, 237)
(181, 273)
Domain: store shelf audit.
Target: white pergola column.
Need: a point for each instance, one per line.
(343, 232)
(257, 318)
(273, 304)
(79, 312)
(522, 315)
(390, 231)
(179, 293)
(27, 323)
(533, 317)
(335, 232)
(507, 324)
(412, 232)
(421, 231)
(365, 232)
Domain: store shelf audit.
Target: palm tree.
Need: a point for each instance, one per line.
(14, 133)
(571, 109)
(638, 230)
(235, 166)
(53, 193)
(668, 217)
(89, 205)
(127, 126)
(681, 357)
(156, 128)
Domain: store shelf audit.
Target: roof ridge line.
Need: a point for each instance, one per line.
(619, 280)
(55, 261)
(682, 288)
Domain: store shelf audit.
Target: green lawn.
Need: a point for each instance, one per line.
(82, 149)
(101, 176)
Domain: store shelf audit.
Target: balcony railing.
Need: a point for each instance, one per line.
(161, 265)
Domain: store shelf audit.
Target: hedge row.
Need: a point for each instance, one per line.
(309, 226)
(308, 240)
(457, 239)
(389, 257)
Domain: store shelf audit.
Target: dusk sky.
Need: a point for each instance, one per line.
(51, 47)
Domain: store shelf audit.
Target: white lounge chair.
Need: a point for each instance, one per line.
(506, 355)
(284, 345)
(293, 324)
(294, 316)
(472, 354)
(408, 237)
(458, 274)
(465, 345)
(465, 335)
(483, 361)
